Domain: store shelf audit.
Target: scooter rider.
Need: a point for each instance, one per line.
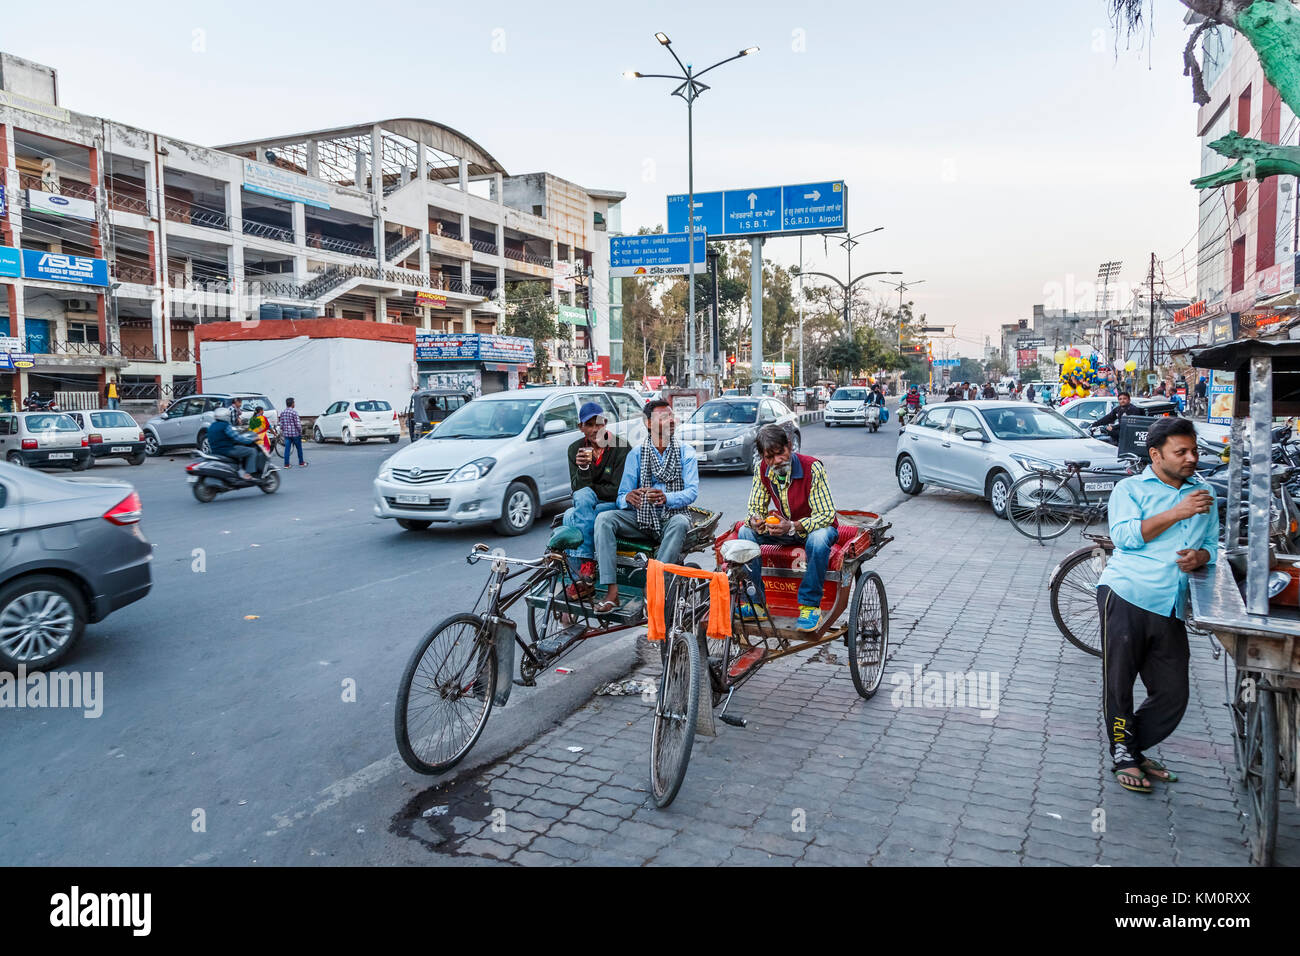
(240, 448)
(1112, 419)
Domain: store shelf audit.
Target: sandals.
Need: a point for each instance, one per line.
(605, 607)
(1138, 781)
(1158, 771)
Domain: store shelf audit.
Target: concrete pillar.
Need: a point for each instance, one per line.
(498, 192)
(555, 256)
(381, 307)
(299, 214)
(313, 159)
(421, 160)
(468, 320)
(463, 176)
(360, 178)
(376, 161)
(159, 324)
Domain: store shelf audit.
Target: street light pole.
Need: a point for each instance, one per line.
(689, 90)
(847, 243)
(847, 288)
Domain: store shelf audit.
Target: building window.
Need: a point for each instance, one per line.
(1239, 265)
(83, 332)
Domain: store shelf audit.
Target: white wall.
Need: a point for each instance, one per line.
(316, 372)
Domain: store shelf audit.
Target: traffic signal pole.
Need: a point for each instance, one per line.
(756, 315)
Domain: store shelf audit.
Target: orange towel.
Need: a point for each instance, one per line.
(719, 626)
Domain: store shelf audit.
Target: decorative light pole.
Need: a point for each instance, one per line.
(689, 90)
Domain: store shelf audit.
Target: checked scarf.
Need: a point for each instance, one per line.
(650, 517)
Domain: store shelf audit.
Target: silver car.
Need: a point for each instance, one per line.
(44, 439)
(500, 458)
(848, 406)
(186, 421)
(723, 430)
(983, 447)
(72, 553)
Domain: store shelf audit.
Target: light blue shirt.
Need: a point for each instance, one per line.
(676, 499)
(1144, 572)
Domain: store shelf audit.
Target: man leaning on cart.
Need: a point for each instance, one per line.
(1164, 524)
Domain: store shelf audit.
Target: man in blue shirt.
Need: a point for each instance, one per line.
(1164, 524)
(661, 479)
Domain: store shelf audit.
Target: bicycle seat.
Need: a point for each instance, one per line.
(1077, 464)
(564, 538)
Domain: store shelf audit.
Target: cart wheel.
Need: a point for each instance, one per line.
(445, 696)
(868, 634)
(676, 711)
(1074, 598)
(1255, 739)
(547, 621)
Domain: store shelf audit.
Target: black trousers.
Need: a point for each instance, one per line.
(1138, 643)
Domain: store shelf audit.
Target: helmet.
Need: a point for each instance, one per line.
(222, 414)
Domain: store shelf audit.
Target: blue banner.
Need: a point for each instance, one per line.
(449, 346)
(4, 207)
(61, 267)
(11, 263)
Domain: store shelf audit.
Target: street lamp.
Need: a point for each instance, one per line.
(902, 287)
(689, 89)
(847, 289)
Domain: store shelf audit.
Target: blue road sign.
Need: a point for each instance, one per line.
(765, 211)
(656, 254)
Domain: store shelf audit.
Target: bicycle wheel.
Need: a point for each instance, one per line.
(544, 622)
(1041, 506)
(868, 634)
(1074, 598)
(445, 696)
(676, 711)
(1255, 741)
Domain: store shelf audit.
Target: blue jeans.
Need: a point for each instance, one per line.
(583, 517)
(817, 549)
(291, 441)
(615, 524)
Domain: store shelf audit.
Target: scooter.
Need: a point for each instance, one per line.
(212, 475)
(873, 417)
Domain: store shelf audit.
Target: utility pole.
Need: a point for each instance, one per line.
(1151, 278)
(801, 374)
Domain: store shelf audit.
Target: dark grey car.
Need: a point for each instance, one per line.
(722, 431)
(71, 553)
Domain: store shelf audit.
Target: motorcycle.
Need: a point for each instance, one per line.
(213, 475)
(34, 403)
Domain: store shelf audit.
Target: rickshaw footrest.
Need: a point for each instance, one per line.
(733, 720)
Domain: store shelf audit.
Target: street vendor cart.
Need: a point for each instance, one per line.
(1231, 599)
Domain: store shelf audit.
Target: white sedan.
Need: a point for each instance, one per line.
(351, 422)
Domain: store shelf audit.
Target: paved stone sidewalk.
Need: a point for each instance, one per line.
(822, 777)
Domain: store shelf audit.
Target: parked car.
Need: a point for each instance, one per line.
(186, 420)
(351, 422)
(43, 439)
(73, 554)
(722, 431)
(111, 433)
(500, 458)
(982, 447)
(1084, 411)
(429, 406)
(848, 406)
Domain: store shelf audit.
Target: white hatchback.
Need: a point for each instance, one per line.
(351, 422)
(111, 433)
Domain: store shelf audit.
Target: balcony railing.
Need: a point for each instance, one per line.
(279, 288)
(447, 233)
(67, 187)
(488, 247)
(181, 353)
(42, 345)
(400, 246)
(153, 392)
(128, 204)
(345, 247)
(140, 275)
(196, 217)
(522, 255)
(266, 231)
(466, 288)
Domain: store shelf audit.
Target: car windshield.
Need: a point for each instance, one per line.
(726, 413)
(1030, 423)
(251, 400)
(374, 407)
(52, 423)
(112, 420)
(849, 395)
(479, 419)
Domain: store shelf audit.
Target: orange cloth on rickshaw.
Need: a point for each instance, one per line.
(719, 626)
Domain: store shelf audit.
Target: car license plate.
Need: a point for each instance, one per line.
(1098, 485)
(192, 479)
(116, 448)
(60, 455)
(412, 499)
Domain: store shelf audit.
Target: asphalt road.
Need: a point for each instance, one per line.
(225, 737)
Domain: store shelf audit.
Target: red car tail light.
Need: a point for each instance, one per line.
(139, 436)
(85, 442)
(394, 416)
(355, 416)
(96, 440)
(29, 444)
(126, 511)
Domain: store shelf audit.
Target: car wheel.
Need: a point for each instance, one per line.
(754, 459)
(796, 443)
(392, 439)
(347, 436)
(151, 446)
(908, 478)
(411, 524)
(83, 464)
(138, 458)
(518, 510)
(15, 459)
(826, 423)
(999, 491)
(317, 437)
(203, 443)
(41, 618)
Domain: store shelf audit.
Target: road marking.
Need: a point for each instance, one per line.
(359, 587)
(338, 791)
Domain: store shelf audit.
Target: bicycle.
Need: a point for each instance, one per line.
(1044, 503)
(1073, 593)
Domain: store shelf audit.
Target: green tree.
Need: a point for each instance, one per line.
(530, 314)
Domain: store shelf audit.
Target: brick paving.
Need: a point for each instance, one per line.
(821, 777)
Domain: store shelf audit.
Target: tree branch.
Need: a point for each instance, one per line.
(1200, 96)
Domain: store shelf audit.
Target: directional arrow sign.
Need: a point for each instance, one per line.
(769, 211)
(655, 255)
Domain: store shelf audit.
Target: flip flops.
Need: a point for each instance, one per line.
(1159, 771)
(1133, 774)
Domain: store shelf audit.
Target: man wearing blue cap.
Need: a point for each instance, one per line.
(595, 472)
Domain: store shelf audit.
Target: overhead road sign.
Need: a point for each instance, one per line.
(805, 209)
(1032, 343)
(656, 255)
(946, 363)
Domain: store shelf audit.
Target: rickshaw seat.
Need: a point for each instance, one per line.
(785, 555)
(641, 547)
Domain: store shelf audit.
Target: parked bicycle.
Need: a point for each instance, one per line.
(1044, 503)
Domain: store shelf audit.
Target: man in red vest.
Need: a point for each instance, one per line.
(790, 504)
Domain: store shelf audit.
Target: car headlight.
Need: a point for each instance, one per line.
(1029, 463)
(732, 442)
(474, 470)
(385, 471)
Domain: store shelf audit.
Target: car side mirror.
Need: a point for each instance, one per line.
(553, 427)
(973, 436)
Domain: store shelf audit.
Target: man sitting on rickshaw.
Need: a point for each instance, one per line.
(595, 471)
(661, 480)
(790, 504)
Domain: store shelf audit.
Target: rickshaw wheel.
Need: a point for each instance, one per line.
(544, 622)
(676, 712)
(868, 634)
(1255, 740)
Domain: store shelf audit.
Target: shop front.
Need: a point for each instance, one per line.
(476, 362)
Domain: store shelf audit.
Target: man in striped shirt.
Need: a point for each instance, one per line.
(291, 431)
(790, 504)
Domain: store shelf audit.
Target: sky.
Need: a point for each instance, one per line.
(1007, 148)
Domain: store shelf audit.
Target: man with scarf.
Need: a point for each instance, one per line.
(792, 489)
(661, 479)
